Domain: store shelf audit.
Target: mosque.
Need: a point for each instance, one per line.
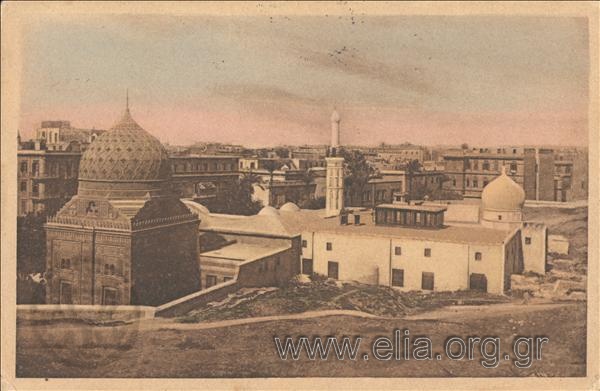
(125, 237)
(406, 245)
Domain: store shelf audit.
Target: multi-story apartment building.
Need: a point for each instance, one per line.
(59, 135)
(388, 185)
(47, 179)
(311, 152)
(203, 177)
(570, 174)
(537, 170)
(48, 166)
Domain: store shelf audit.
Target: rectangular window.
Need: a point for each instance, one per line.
(513, 167)
(307, 266)
(329, 246)
(397, 277)
(66, 293)
(398, 250)
(333, 270)
(478, 256)
(427, 281)
(210, 280)
(527, 240)
(109, 296)
(427, 252)
(304, 244)
(23, 167)
(23, 186)
(225, 279)
(478, 282)
(475, 183)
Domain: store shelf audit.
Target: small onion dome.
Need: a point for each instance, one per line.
(268, 211)
(335, 117)
(289, 207)
(503, 194)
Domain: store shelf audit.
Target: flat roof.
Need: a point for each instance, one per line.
(315, 221)
(244, 252)
(425, 208)
(291, 224)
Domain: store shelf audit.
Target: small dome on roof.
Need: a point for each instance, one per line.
(268, 211)
(289, 207)
(503, 194)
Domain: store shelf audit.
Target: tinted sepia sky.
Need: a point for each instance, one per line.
(260, 80)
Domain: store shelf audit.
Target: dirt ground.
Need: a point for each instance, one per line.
(81, 350)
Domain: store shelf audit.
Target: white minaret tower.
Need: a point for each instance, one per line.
(335, 171)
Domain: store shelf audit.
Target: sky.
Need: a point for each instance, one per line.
(269, 80)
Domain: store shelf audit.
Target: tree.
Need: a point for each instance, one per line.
(434, 192)
(282, 152)
(412, 167)
(237, 197)
(464, 146)
(357, 172)
(31, 257)
(313, 203)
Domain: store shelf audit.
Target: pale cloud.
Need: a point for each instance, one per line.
(275, 80)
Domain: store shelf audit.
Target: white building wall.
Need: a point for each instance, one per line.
(491, 265)
(307, 252)
(370, 259)
(360, 258)
(448, 262)
(534, 252)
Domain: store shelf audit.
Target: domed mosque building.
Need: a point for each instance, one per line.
(125, 238)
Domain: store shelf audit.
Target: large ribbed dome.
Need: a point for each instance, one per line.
(502, 194)
(126, 153)
(124, 162)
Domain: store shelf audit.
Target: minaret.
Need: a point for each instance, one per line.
(335, 171)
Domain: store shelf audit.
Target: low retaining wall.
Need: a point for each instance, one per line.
(83, 312)
(195, 300)
(556, 204)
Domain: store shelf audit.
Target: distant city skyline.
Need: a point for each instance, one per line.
(267, 81)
